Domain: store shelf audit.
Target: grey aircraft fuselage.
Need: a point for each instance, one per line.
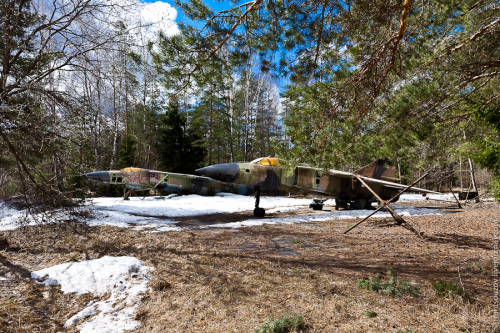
(139, 179)
(266, 174)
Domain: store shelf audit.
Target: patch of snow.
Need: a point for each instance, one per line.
(124, 220)
(11, 218)
(124, 278)
(406, 197)
(284, 209)
(155, 214)
(193, 205)
(3, 279)
(345, 214)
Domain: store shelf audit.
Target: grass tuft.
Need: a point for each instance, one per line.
(370, 314)
(285, 324)
(161, 285)
(391, 287)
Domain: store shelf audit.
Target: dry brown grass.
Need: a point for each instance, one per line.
(232, 280)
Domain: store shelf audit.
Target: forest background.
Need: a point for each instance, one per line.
(91, 85)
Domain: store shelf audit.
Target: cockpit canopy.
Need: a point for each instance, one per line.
(266, 161)
(131, 169)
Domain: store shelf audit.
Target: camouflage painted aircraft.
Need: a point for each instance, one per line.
(266, 174)
(137, 180)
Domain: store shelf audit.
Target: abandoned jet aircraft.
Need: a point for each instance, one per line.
(266, 174)
(137, 179)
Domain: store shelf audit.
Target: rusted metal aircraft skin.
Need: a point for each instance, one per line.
(145, 180)
(266, 174)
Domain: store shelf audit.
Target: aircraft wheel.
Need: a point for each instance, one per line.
(259, 212)
(359, 204)
(317, 207)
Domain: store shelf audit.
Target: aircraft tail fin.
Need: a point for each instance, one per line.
(380, 169)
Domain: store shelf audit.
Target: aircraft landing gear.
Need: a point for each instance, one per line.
(341, 204)
(258, 212)
(359, 204)
(355, 204)
(317, 204)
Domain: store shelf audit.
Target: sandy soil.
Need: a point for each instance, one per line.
(232, 280)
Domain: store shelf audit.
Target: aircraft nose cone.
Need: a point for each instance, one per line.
(98, 176)
(227, 172)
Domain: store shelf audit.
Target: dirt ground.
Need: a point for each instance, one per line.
(233, 280)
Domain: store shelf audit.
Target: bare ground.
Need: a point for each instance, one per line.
(232, 280)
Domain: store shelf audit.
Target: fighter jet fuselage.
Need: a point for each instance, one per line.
(266, 174)
(144, 180)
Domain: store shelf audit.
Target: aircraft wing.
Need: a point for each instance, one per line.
(396, 185)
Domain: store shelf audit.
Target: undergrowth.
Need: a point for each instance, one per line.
(391, 287)
(446, 289)
(371, 314)
(285, 324)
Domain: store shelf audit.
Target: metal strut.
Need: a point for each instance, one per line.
(258, 212)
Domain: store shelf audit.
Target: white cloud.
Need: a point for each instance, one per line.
(159, 16)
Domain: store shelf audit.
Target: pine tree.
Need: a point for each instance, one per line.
(177, 147)
(127, 152)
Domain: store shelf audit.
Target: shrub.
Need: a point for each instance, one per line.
(370, 314)
(285, 324)
(391, 287)
(446, 289)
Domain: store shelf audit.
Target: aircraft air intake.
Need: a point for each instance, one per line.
(227, 172)
(99, 176)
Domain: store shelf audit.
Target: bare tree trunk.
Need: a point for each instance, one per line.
(473, 179)
(115, 128)
(231, 120)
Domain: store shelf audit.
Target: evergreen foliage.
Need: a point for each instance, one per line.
(416, 82)
(363, 79)
(391, 287)
(487, 146)
(127, 152)
(447, 289)
(284, 324)
(178, 151)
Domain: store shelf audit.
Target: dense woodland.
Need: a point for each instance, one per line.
(86, 86)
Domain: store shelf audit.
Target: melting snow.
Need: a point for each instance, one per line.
(193, 205)
(419, 197)
(345, 214)
(155, 214)
(124, 278)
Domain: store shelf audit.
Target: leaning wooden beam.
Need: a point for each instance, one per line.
(154, 187)
(386, 203)
(130, 191)
(451, 189)
(399, 220)
(396, 217)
